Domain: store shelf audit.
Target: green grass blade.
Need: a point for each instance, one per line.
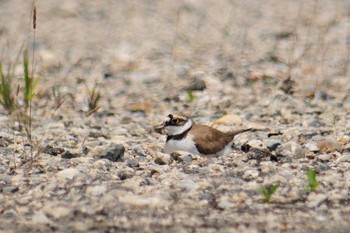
(313, 184)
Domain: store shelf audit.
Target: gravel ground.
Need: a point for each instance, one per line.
(280, 67)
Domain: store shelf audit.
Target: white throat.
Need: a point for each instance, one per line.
(175, 130)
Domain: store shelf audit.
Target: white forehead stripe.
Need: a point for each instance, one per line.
(167, 119)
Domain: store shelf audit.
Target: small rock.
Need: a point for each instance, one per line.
(309, 155)
(53, 150)
(133, 163)
(69, 155)
(325, 157)
(188, 184)
(272, 144)
(40, 218)
(4, 142)
(290, 149)
(312, 146)
(68, 173)
(196, 85)
(10, 189)
(258, 154)
(145, 107)
(139, 151)
(56, 211)
(328, 145)
(163, 159)
(250, 174)
(224, 204)
(181, 156)
(317, 123)
(287, 86)
(344, 158)
(256, 144)
(96, 190)
(114, 152)
(228, 120)
(126, 173)
(315, 200)
(138, 201)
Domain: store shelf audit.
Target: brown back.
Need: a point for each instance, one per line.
(213, 142)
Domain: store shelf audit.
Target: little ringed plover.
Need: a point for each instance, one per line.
(184, 135)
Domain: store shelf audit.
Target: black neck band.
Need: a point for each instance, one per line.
(178, 136)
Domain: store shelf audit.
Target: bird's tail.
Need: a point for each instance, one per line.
(239, 131)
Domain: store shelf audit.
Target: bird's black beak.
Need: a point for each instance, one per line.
(159, 128)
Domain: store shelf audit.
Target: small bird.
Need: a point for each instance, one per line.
(184, 135)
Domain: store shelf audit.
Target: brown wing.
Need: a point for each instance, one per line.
(209, 140)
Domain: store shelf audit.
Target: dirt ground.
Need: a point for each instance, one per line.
(280, 67)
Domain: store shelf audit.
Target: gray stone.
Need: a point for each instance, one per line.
(196, 85)
(291, 150)
(315, 200)
(133, 163)
(250, 174)
(325, 157)
(10, 189)
(312, 146)
(114, 152)
(163, 159)
(188, 184)
(40, 218)
(224, 204)
(68, 174)
(182, 156)
(96, 190)
(328, 144)
(272, 144)
(139, 151)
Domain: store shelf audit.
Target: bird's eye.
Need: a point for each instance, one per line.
(175, 121)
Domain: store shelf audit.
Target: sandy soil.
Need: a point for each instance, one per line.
(280, 67)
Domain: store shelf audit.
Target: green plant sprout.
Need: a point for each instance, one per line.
(313, 184)
(268, 191)
(7, 99)
(94, 98)
(30, 83)
(190, 96)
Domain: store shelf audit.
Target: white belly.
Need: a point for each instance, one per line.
(226, 151)
(186, 145)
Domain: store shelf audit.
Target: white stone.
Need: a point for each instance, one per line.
(68, 173)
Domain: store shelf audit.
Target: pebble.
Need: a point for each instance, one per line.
(196, 85)
(291, 150)
(40, 217)
(188, 184)
(114, 152)
(272, 144)
(139, 151)
(250, 174)
(10, 189)
(314, 200)
(163, 159)
(224, 204)
(182, 156)
(325, 157)
(56, 210)
(133, 163)
(328, 145)
(68, 173)
(98, 190)
(312, 146)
